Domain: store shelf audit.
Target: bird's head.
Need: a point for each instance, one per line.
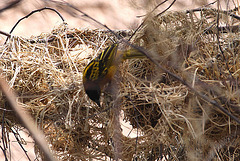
(93, 91)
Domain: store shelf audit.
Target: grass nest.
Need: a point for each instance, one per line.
(171, 121)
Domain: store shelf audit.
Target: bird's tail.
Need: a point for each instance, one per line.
(132, 54)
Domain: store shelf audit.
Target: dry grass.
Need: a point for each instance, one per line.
(172, 121)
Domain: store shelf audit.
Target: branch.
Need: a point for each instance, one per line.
(215, 10)
(38, 10)
(4, 33)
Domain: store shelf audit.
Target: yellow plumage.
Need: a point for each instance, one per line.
(101, 70)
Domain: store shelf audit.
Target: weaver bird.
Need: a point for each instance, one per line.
(101, 70)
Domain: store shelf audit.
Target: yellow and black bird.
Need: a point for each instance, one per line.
(101, 70)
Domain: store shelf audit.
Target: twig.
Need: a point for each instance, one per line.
(223, 29)
(3, 138)
(4, 153)
(153, 9)
(38, 10)
(91, 18)
(26, 119)
(4, 33)
(219, 46)
(19, 142)
(209, 4)
(166, 8)
(135, 31)
(214, 10)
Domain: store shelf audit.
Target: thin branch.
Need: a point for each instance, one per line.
(219, 45)
(19, 142)
(91, 18)
(153, 9)
(6, 34)
(166, 8)
(3, 138)
(209, 4)
(223, 29)
(4, 153)
(149, 15)
(215, 10)
(38, 10)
